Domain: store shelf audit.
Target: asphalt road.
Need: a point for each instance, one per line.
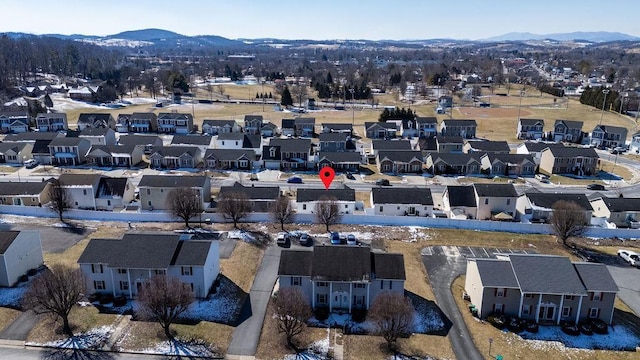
(442, 270)
(54, 239)
(244, 341)
(14, 353)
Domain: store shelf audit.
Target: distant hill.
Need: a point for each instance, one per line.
(147, 35)
(595, 36)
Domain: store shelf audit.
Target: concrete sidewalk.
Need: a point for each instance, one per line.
(20, 328)
(244, 341)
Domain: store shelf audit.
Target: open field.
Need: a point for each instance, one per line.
(81, 319)
(511, 346)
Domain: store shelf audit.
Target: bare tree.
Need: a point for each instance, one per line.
(164, 299)
(184, 203)
(327, 211)
(568, 220)
(291, 309)
(55, 292)
(234, 206)
(59, 198)
(282, 211)
(392, 314)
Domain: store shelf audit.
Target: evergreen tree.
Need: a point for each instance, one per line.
(287, 100)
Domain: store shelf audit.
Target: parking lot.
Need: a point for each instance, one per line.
(472, 252)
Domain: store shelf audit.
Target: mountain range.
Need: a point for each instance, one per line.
(160, 37)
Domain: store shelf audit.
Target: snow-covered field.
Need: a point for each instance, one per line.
(318, 350)
(92, 339)
(618, 338)
(179, 348)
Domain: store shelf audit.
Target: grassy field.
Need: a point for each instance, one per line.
(511, 346)
(81, 319)
(7, 316)
(242, 265)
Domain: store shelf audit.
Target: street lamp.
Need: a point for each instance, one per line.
(604, 101)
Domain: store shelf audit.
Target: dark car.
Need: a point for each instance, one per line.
(335, 238)
(595, 187)
(294, 180)
(383, 182)
(349, 175)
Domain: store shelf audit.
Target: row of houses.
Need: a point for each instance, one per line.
(602, 136)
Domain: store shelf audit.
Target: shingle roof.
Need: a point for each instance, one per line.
(22, 188)
(333, 136)
(295, 262)
(596, 277)
(459, 122)
(32, 136)
(420, 196)
(344, 194)
(461, 196)
(612, 129)
(622, 204)
(191, 139)
(229, 154)
(546, 200)
(426, 120)
(67, 141)
(6, 239)
(114, 149)
(111, 186)
(388, 266)
(94, 131)
(79, 179)
(386, 125)
(449, 139)
(337, 126)
(571, 124)
(531, 122)
(287, 123)
(233, 136)
(219, 123)
(302, 120)
(534, 146)
(138, 139)
(175, 151)
(252, 192)
(496, 273)
(93, 117)
(144, 116)
(510, 158)
(172, 181)
(547, 274)
(292, 145)
(401, 156)
(192, 253)
(495, 190)
(253, 117)
(490, 146)
(252, 141)
(391, 145)
(340, 156)
(455, 159)
(341, 263)
(572, 152)
(176, 116)
(15, 146)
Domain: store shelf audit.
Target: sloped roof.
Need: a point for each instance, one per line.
(6, 239)
(229, 154)
(538, 146)
(295, 263)
(172, 181)
(176, 151)
(388, 266)
(292, 145)
(337, 126)
(287, 123)
(596, 277)
(344, 194)
(219, 123)
(510, 158)
(340, 156)
(67, 141)
(252, 192)
(426, 120)
(138, 139)
(201, 140)
(459, 122)
(455, 158)
(449, 139)
(531, 122)
(401, 156)
(547, 274)
(341, 263)
(333, 136)
(192, 253)
(22, 188)
(546, 200)
(79, 179)
(572, 152)
(111, 186)
(391, 145)
(15, 146)
(114, 149)
(461, 195)
(233, 136)
(495, 190)
(94, 131)
(386, 125)
(496, 273)
(389, 195)
(32, 136)
(490, 146)
(622, 204)
(571, 124)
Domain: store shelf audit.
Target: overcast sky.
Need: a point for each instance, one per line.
(324, 19)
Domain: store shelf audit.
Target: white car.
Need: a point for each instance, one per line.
(629, 256)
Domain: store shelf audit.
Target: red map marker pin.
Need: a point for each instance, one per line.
(326, 175)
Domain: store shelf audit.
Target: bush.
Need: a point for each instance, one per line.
(599, 326)
(499, 321)
(321, 313)
(120, 300)
(94, 297)
(358, 315)
(106, 298)
(515, 325)
(586, 328)
(570, 328)
(32, 272)
(23, 278)
(532, 327)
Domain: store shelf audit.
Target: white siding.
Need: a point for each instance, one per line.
(310, 207)
(24, 253)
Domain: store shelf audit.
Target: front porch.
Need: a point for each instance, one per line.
(340, 296)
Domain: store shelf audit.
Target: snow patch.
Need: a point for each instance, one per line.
(552, 337)
(241, 235)
(92, 339)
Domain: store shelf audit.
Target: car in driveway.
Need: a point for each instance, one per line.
(335, 238)
(383, 182)
(349, 175)
(305, 239)
(294, 180)
(31, 163)
(595, 187)
(351, 240)
(630, 257)
(282, 239)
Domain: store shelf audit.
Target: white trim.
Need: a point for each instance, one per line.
(579, 310)
(560, 313)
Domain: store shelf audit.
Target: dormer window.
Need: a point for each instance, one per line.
(272, 152)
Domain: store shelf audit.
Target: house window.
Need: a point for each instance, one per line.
(304, 206)
(124, 285)
(296, 281)
(508, 201)
(526, 309)
(359, 286)
(96, 268)
(596, 296)
(594, 313)
(122, 271)
(148, 191)
(569, 297)
(528, 295)
(346, 206)
(187, 270)
(381, 208)
(321, 298)
(501, 292)
(566, 311)
(498, 308)
(160, 272)
(243, 163)
(322, 283)
(108, 202)
(222, 142)
(99, 285)
(486, 201)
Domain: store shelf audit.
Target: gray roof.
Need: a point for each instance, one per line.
(333, 136)
(93, 117)
(495, 190)
(455, 158)
(32, 136)
(6, 239)
(111, 186)
(191, 139)
(382, 195)
(622, 204)
(138, 139)
(337, 126)
(233, 136)
(292, 145)
(252, 192)
(295, 262)
(571, 124)
(94, 131)
(67, 141)
(391, 145)
(596, 277)
(459, 122)
(340, 156)
(229, 154)
(15, 146)
(253, 117)
(496, 273)
(114, 149)
(449, 139)
(344, 194)
(461, 195)
(547, 274)
(510, 158)
(172, 181)
(538, 146)
(546, 200)
(388, 266)
(612, 129)
(490, 146)
(288, 123)
(401, 156)
(79, 179)
(144, 115)
(302, 120)
(176, 151)
(341, 263)
(426, 120)
(144, 251)
(177, 116)
(386, 125)
(252, 141)
(531, 122)
(22, 188)
(571, 152)
(219, 123)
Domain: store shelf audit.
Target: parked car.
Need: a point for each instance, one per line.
(542, 178)
(335, 238)
(349, 175)
(282, 239)
(305, 239)
(383, 182)
(630, 256)
(294, 180)
(351, 240)
(31, 163)
(253, 177)
(595, 187)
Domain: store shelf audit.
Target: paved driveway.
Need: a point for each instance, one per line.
(443, 265)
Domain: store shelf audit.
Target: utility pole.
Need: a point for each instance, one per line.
(604, 101)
